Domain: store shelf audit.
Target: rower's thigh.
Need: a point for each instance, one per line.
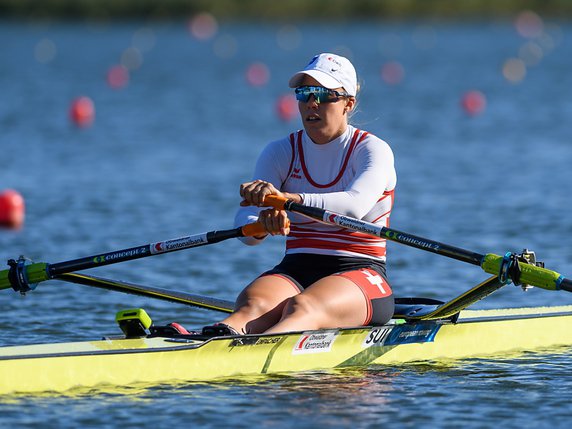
(267, 291)
(377, 293)
(263, 301)
(352, 298)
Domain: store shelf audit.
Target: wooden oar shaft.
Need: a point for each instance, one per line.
(490, 263)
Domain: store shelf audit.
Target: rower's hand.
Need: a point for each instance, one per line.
(253, 193)
(275, 222)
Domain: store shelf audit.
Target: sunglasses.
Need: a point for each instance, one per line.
(321, 94)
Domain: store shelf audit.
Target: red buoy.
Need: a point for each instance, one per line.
(11, 209)
(203, 26)
(473, 102)
(286, 107)
(392, 73)
(257, 74)
(82, 111)
(118, 77)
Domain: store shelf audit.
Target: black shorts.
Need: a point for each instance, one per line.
(304, 269)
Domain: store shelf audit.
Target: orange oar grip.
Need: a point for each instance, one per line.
(275, 201)
(256, 228)
(253, 229)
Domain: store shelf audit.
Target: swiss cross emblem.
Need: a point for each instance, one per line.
(375, 280)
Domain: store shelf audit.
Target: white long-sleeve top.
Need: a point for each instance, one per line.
(352, 175)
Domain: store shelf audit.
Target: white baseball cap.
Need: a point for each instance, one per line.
(331, 70)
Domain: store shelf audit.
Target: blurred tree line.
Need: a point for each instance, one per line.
(277, 10)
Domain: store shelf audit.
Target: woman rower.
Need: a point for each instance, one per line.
(329, 277)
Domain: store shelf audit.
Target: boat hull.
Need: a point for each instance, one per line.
(122, 362)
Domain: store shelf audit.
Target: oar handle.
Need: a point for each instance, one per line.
(257, 229)
(279, 203)
(253, 229)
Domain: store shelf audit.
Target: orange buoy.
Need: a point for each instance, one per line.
(82, 111)
(473, 102)
(11, 209)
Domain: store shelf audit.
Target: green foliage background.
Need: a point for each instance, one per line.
(280, 10)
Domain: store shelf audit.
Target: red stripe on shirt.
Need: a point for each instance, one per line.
(353, 144)
(374, 251)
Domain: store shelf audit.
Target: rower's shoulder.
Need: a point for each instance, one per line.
(371, 142)
(285, 141)
(279, 148)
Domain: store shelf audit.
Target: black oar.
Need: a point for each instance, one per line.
(406, 308)
(509, 267)
(150, 292)
(23, 277)
(418, 309)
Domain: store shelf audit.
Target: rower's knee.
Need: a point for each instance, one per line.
(300, 305)
(254, 306)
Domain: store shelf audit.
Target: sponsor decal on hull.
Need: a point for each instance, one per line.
(408, 334)
(271, 340)
(315, 343)
(254, 341)
(400, 334)
(376, 337)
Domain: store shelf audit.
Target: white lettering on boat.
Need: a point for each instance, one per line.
(407, 334)
(315, 343)
(178, 243)
(420, 333)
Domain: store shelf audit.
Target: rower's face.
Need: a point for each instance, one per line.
(324, 122)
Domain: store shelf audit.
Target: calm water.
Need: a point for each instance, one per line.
(166, 154)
